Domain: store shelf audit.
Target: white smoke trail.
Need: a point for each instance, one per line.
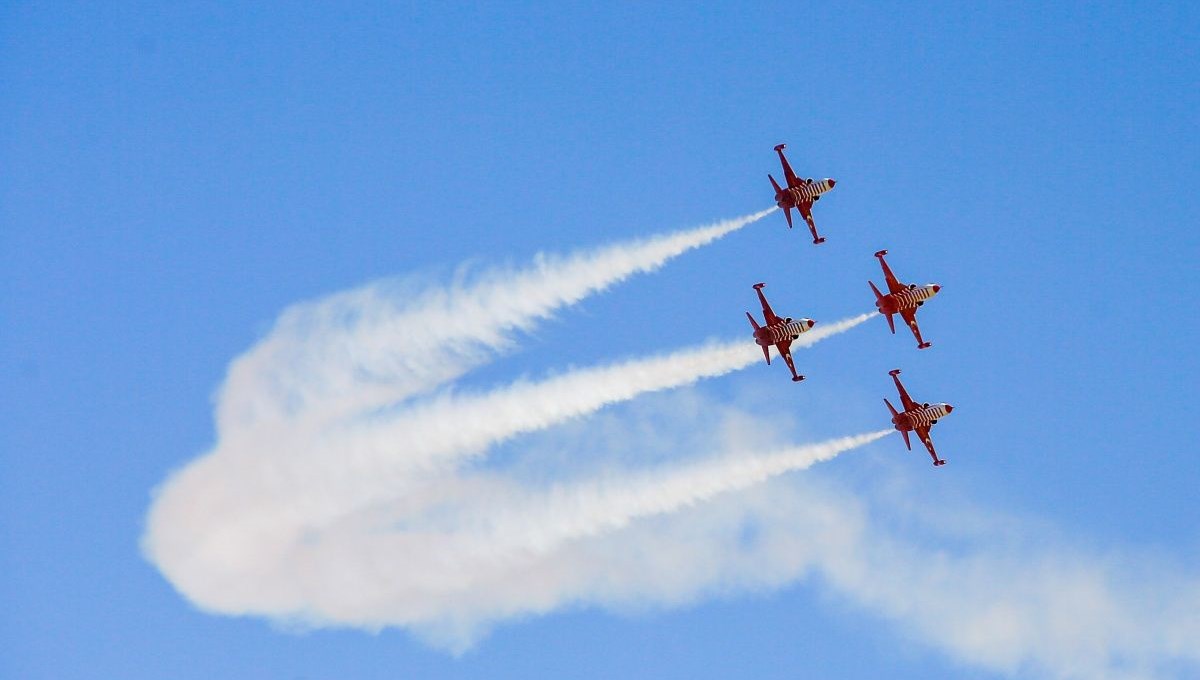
(382, 343)
(458, 424)
(591, 508)
(378, 459)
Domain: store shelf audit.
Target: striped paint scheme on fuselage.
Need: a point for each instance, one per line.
(924, 417)
(771, 335)
(909, 297)
(807, 192)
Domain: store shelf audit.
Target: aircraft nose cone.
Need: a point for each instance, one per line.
(936, 288)
(811, 323)
(949, 408)
(832, 182)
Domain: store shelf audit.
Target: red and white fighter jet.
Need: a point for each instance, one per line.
(917, 418)
(902, 299)
(799, 194)
(778, 331)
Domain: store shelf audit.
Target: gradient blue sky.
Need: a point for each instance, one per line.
(172, 176)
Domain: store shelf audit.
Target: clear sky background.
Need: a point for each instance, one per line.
(172, 177)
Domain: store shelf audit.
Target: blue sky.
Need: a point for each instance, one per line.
(174, 177)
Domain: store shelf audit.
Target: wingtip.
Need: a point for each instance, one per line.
(880, 253)
(759, 286)
(894, 371)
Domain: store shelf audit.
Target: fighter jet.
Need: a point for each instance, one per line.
(917, 418)
(799, 194)
(778, 331)
(902, 299)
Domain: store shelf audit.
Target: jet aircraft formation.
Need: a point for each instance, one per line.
(901, 298)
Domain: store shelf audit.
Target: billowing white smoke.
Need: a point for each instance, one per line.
(335, 496)
(987, 590)
(319, 508)
(227, 529)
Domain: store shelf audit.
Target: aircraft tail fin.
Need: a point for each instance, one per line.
(894, 414)
(766, 353)
(752, 321)
(879, 299)
(891, 408)
(878, 295)
(775, 184)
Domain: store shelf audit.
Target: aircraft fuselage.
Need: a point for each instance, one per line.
(909, 298)
(788, 330)
(924, 416)
(810, 191)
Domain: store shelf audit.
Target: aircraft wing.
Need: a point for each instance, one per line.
(923, 435)
(910, 318)
(805, 209)
(906, 400)
(893, 284)
(785, 351)
(768, 313)
(792, 180)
